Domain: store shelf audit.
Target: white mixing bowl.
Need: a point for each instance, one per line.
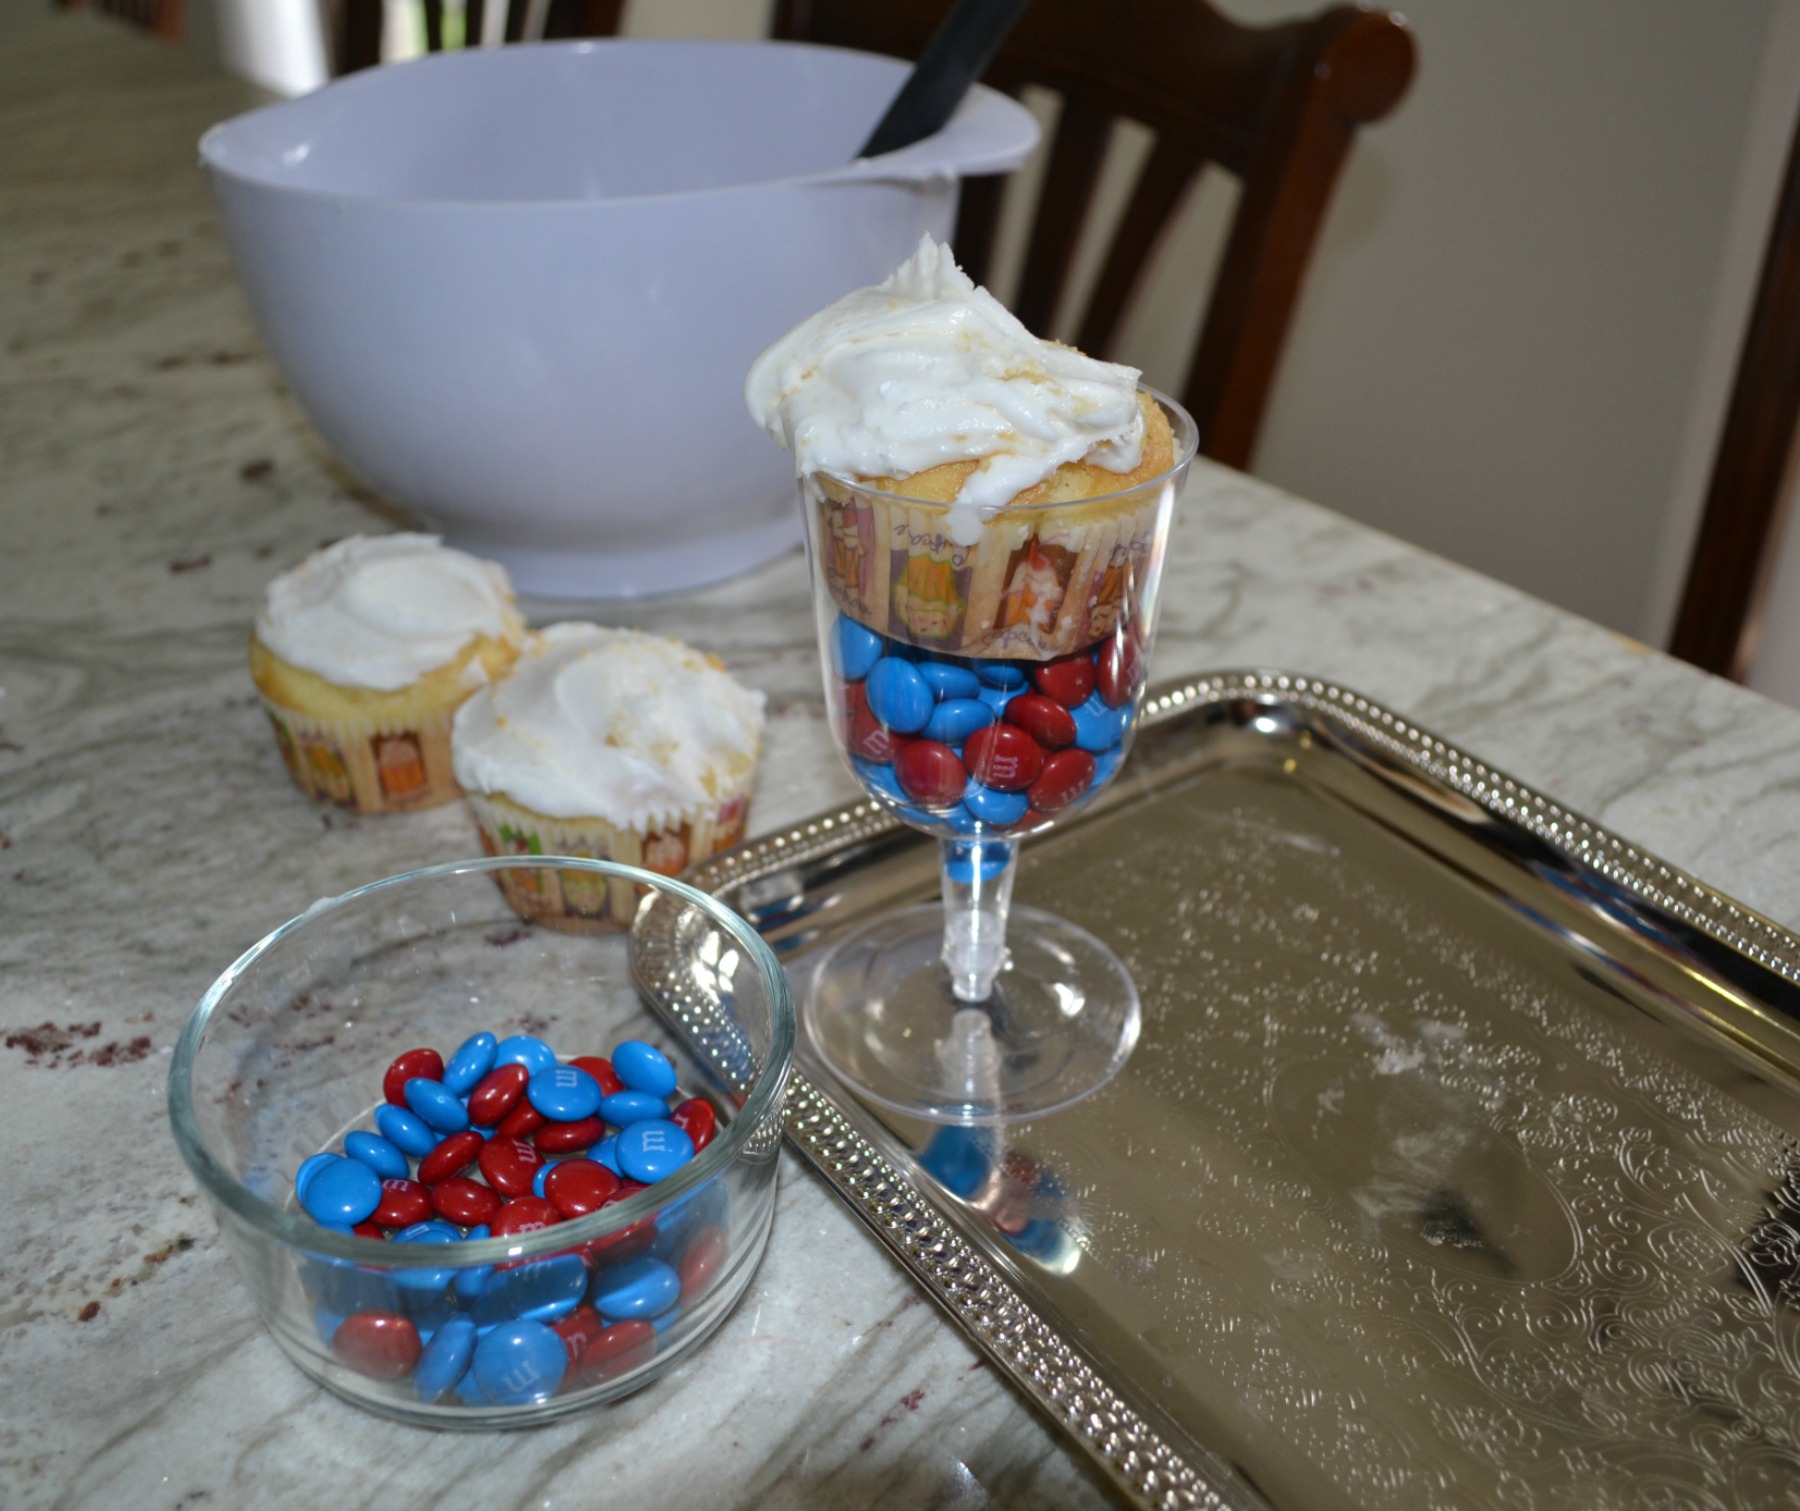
(518, 290)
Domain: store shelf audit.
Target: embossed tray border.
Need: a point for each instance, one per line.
(977, 1293)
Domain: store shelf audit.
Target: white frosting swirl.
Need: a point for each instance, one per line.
(379, 611)
(926, 368)
(610, 724)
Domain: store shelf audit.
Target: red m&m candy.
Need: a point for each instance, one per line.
(870, 738)
(1003, 756)
(577, 1187)
(618, 1348)
(426, 1064)
(524, 1214)
(856, 700)
(1044, 719)
(1121, 669)
(509, 1165)
(566, 1138)
(464, 1201)
(1068, 679)
(695, 1117)
(523, 1121)
(930, 773)
(403, 1202)
(706, 1253)
(578, 1330)
(1065, 777)
(498, 1094)
(381, 1345)
(453, 1156)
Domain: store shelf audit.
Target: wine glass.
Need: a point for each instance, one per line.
(983, 679)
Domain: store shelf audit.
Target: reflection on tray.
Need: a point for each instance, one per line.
(1020, 1199)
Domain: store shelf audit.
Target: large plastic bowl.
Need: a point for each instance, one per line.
(517, 290)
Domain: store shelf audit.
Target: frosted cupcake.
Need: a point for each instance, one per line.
(972, 483)
(364, 652)
(610, 744)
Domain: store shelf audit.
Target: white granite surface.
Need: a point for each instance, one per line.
(155, 476)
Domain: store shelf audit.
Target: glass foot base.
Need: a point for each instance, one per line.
(1062, 1018)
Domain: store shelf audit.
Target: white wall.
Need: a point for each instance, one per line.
(1497, 354)
(279, 44)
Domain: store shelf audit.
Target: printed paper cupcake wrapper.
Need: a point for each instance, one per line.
(1038, 584)
(575, 901)
(368, 765)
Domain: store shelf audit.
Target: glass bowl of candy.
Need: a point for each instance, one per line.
(477, 1173)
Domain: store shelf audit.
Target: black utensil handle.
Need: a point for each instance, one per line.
(956, 56)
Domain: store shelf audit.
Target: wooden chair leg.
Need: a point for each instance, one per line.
(1753, 473)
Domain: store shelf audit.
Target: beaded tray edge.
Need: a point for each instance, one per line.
(1050, 1370)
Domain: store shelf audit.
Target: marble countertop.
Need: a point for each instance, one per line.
(156, 476)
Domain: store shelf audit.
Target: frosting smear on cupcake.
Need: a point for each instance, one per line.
(611, 724)
(380, 611)
(926, 368)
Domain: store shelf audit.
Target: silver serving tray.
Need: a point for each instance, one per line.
(1458, 1164)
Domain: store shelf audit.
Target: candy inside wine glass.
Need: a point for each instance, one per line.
(986, 514)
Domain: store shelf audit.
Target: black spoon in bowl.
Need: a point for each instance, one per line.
(956, 56)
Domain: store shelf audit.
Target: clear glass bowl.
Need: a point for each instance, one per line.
(287, 1051)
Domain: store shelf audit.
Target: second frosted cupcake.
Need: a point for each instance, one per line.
(612, 744)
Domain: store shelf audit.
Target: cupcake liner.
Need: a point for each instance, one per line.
(576, 902)
(1038, 584)
(371, 764)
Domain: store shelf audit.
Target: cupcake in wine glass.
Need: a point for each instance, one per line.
(986, 514)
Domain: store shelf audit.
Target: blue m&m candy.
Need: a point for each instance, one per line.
(520, 1362)
(473, 1059)
(623, 1108)
(948, 680)
(1098, 727)
(899, 696)
(643, 1067)
(446, 1358)
(540, 1291)
(311, 1167)
(642, 1287)
(343, 1192)
(958, 820)
(959, 862)
(858, 648)
(424, 1285)
(565, 1093)
(405, 1130)
(436, 1106)
(652, 1149)
(954, 720)
(470, 1282)
(1001, 674)
(523, 1049)
(880, 777)
(992, 806)
(379, 1154)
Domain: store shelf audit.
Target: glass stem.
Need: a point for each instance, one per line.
(978, 883)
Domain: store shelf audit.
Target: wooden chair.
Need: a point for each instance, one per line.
(1276, 106)
(161, 18)
(358, 24)
(1754, 468)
